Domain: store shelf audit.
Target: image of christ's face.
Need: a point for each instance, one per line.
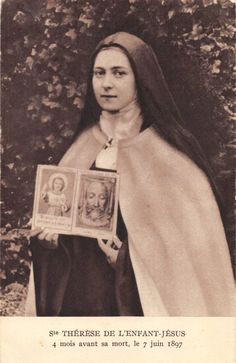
(96, 200)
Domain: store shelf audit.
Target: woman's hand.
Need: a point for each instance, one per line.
(111, 249)
(47, 239)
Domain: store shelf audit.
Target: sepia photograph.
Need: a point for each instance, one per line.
(127, 106)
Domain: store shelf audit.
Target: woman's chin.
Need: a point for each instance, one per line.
(111, 110)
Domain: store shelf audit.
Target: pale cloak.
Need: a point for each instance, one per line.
(177, 242)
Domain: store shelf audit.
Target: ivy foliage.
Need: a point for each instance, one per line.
(14, 272)
(45, 51)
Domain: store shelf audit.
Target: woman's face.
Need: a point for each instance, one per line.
(113, 80)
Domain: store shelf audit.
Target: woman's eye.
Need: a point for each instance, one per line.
(118, 73)
(98, 73)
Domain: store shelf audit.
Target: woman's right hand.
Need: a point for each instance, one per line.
(46, 239)
(110, 249)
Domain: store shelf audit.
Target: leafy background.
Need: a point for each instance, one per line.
(45, 54)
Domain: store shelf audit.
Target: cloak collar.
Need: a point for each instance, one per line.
(102, 138)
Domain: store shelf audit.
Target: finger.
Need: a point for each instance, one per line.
(103, 246)
(109, 242)
(35, 232)
(111, 259)
(48, 237)
(51, 237)
(55, 237)
(42, 235)
(117, 242)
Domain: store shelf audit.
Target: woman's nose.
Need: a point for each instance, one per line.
(107, 81)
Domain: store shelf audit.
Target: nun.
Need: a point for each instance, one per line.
(170, 256)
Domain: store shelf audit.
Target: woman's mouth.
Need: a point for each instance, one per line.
(108, 96)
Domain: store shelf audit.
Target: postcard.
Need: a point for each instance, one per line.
(78, 202)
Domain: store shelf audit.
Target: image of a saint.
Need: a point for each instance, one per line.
(53, 194)
(96, 204)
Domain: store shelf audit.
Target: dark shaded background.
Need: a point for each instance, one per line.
(45, 52)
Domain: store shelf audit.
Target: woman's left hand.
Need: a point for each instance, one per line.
(111, 249)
